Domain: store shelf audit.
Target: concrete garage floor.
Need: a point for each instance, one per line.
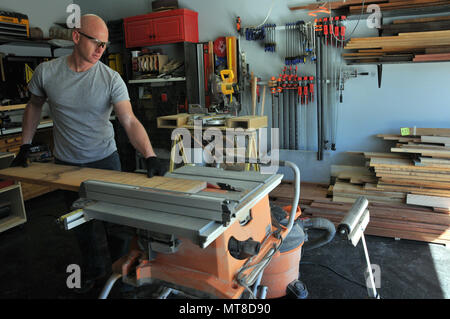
(34, 258)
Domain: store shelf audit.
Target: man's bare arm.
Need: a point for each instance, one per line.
(31, 118)
(135, 130)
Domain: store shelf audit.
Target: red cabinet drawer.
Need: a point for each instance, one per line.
(172, 26)
(139, 33)
(168, 29)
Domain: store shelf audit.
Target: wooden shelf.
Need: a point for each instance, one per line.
(34, 43)
(13, 194)
(43, 124)
(157, 80)
(12, 107)
(444, 8)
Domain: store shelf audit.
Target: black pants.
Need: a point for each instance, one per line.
(101, 243)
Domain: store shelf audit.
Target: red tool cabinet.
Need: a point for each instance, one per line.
(180, 25)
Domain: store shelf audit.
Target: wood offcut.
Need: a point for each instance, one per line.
(71, 177)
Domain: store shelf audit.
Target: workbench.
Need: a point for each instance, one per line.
(247, 126)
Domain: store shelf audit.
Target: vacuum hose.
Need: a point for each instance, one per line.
(318, 223)
(296, 193)
(108, 286)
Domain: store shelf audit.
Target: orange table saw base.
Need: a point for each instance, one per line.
(211, 270)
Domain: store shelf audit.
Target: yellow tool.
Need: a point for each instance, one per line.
(13, 23)
(115, 62)
(28, 73)
(231, 55)
(227, 83)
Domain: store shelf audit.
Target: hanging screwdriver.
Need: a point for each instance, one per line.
(305, 89)
(336, 30)
(343, 22)
(311, 87)
(300, 90)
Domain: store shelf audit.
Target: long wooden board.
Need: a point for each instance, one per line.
(70, 177)
(402, 164)
(393, 230)
(430, 201)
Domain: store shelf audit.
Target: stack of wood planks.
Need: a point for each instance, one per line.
(355, 7)
(393, 220)
(408, 188)
(423, 169)
(396, 5)
(416, 171)
(404, 47)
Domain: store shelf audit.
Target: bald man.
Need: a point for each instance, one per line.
(82, 92)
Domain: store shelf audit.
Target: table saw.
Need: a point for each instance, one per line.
(215, 242)
(210, 242)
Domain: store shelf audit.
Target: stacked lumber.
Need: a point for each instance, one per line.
(408, 192)
(393, 5)
(416, 171)
(392, 220)
(404, 47)
(424, 172)
(336, 5)
(355, 7)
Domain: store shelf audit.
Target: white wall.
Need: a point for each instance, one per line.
(410, 94)
(42, 14)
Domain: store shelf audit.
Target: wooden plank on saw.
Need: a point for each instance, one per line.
(70, 177)
(429, 201)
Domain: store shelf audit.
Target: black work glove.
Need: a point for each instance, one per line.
(155, 167)
(21, 158)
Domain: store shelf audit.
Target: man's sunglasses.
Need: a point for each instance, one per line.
(100, 44)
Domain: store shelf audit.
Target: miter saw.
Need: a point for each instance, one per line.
(222, 91)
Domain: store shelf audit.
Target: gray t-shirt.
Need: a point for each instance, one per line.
(81, 105)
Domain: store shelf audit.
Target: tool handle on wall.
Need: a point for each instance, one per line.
(336, 28)
(263, 101)
(311, 87)
(254, 85)
(300, 93)
(343, 20)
